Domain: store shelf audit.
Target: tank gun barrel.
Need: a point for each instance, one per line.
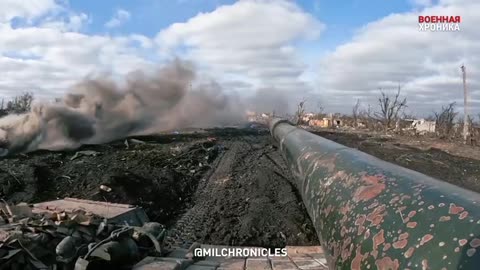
(371, 214)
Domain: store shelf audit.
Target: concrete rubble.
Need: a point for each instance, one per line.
(73, 234)
(76, 234)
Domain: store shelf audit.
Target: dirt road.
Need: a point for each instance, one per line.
(248, 199)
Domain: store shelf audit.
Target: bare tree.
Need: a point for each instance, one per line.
(355, 112)
(366, 115)
(300, 112)
(319, 114)
(390, 107)
(431, 118)
(19, 104)
(445, 120)
(472, 132)
(320, 108)
(25, 102)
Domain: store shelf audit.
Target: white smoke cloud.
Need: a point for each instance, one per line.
(99, 110)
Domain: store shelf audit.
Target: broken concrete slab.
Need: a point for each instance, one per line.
(114, 213)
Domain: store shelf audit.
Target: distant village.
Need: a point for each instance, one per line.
(335, 120)
(408, 126)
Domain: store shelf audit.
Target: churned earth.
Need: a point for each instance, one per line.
(220, 186)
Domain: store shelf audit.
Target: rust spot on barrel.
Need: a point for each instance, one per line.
(367, 234)
(475, 243)
(378, 239)
(387, 263)
(455, 210)
(345, 209)
(357, 261)
(394, 199)
(359, 222)
(374, 254)
(328, 163)
(424, 264)
(411, 225)
(403, 236)
(376, 217)
(373, 205)
(374, 186)
(346, 251)
(425, 239)
(409, 252)
(400, 244)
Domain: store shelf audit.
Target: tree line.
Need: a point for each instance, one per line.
(18, 104)
(388, 115)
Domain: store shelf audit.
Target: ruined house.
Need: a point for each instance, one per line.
(326, 122)
(307, 117)
(419, 125)
(424, 126)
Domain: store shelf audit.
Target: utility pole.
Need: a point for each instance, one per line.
(465, 105)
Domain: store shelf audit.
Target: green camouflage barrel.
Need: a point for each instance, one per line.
(371, 214)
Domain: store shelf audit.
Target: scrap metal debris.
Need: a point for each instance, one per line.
(76, 234)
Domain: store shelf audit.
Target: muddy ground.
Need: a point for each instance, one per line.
(456, 164)
(221, 186)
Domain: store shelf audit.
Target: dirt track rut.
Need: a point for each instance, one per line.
(248, 199)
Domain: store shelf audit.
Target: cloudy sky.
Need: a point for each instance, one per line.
(330, 52)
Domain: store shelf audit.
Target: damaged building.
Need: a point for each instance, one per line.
(326, 122)
(420, 125)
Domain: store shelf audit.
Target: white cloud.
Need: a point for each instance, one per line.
(28, 9)
(392, 51)
(65, 60)
(49, 56)
(121, 16)
(145, 42)
(71, 22)
(251, 39)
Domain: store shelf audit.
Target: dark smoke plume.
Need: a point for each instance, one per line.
(270, 100)
(99, 110)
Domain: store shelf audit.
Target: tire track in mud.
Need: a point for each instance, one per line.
(187, 228)
(248, 200)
